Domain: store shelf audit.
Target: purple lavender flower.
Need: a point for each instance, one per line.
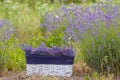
(2, 22)
(116, 11)
(6, 29)
(27, 49)
(42, 50)
(103, 36)
(68, 52)
(119, 33)
(56, 51)
(95, 34)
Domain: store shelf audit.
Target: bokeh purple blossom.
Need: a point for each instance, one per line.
(6, 30)
(78, 20)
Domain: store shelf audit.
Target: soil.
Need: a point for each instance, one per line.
(80, 70)
(22, 76)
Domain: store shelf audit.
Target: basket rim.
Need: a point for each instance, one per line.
(35, 59)
(47, 56)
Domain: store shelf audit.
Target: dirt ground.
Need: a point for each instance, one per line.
(22, 76)
(80, 70)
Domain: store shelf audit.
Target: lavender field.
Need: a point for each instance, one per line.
(90, 31)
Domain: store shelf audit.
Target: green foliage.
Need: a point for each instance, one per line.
(32, 3)
(54, 40)
(97, 76)
(11, 56)
(86, 78)
(26, 22)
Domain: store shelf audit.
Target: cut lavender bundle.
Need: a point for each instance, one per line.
(47, 51)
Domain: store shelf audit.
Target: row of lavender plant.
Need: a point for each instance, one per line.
(10, 59)
(96, 29)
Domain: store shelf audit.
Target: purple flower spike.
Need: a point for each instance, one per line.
(2, 22)
(6, 30)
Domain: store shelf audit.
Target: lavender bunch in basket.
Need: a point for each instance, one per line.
(43, 50)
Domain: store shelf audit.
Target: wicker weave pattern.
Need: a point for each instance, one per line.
(49, 70)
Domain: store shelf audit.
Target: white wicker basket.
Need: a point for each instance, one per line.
(49, 70)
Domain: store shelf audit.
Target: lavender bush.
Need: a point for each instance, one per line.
(95, 28)
(5, 34)
(97, 31)
(9, 48)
